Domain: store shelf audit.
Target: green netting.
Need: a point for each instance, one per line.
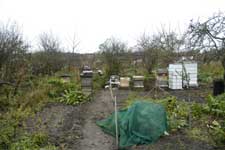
(142, 123)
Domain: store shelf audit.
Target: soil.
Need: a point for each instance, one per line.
(93, 137)
(74, 127)
(194, 94)
(61, 122)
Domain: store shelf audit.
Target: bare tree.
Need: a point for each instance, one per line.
(150, 50)
(49, 43)
(164, 45)
(50, 59)
(13, 49)
(74, 44)
(112, 51)
(209, 35)
(171, 43)
(169, 40)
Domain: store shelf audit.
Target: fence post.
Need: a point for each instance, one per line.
(116, 123)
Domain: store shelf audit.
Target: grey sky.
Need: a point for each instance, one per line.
(95, 20)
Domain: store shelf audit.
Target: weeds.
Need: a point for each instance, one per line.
(69, 93)
(216, 105)
(177, 112)
(14, 110)
(35, 142)
(202, 114)
(217, 131)
(71, 97)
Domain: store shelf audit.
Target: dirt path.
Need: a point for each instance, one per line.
(93, 137)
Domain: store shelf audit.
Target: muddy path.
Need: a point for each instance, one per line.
(93, 138)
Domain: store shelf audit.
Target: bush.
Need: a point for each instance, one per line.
(210, 71)
(13, 49)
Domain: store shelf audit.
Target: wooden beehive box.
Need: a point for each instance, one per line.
(124, 82)
(138, 81)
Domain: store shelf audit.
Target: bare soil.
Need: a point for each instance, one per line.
(93, 137)
(61, 122)
(198, 95)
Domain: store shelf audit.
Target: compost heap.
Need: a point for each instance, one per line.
(141, 123)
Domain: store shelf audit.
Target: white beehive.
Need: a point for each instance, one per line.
(182, 73)
(192, 72)
(175, 76)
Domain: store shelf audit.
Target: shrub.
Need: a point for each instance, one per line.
(210, 71)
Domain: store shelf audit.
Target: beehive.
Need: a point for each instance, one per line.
(124, 82)
(138, 81)
(175, 76)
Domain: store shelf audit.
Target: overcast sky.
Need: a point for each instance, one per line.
(93, 21)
